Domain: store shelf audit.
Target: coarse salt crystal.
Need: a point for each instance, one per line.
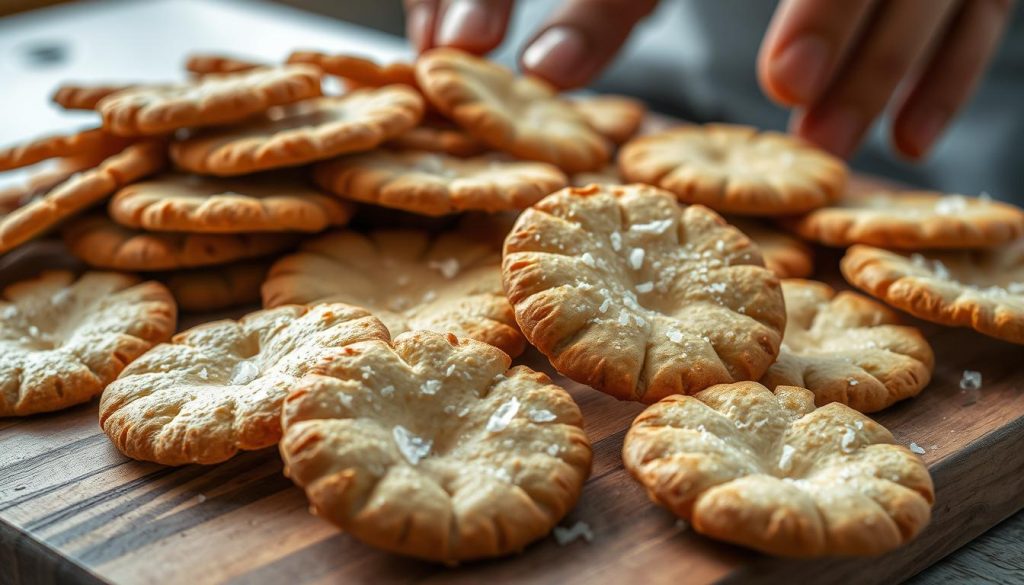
(636, 258)
(33, 331)
(449, 267)
(951, 204)
(588, 259)
(387, 391)
(645, 287)
(502, 416)
(616, 239)
(674, 335)
(849, 437)
(970, 380)
(204, 373)
(786, 460)
(719, 246)
(852, 382)
(430, 387)
(623, 318)
(413, 448)
(657, 226)
(541, 415)
(914, 447)
(717, 287)
(604, 306)
(578, 530)
(244, 372)
(552, 450)
(450, 370)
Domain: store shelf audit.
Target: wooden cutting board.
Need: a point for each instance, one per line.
(74, 510)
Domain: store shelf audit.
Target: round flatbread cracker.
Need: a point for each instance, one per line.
(86, 142)
(99, 242)
(783, 254)
(85, 97)
(217, 388)
(410, 279)
(913, 220)
(210, 101)
(628, 292)
(735, 169)
(261, 203)
(773, 473)
(520, 115)
(433, 448)
(63, 339)
(302, 133)
(54, 196)
(363, 72)
(983, 290)
(220, 287)
(616, 117)
(437, 184)
(207, 63)
(438, 135)
(847, 348)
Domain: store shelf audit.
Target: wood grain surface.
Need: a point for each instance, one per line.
(74, 510)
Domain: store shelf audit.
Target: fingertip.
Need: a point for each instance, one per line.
(916, 130)
(795, 73)
(472, 26)
(837, 129)
(559, 55)
(419, 25)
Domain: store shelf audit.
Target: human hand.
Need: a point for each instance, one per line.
(840, 63)
(569, 50)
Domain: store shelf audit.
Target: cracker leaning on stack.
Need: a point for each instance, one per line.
(381, 360)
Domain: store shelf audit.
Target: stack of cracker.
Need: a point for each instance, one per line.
(380, 362)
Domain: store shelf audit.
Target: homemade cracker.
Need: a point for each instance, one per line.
(86, 142)
(302, 133)
(846, 348)
(100, 242)
(259, 203)
(431, 447)
(520, 115)
(364, 72)
(219, 287)
(53, 196)
(206, 63)
(210, 101)
(410, 279)
(983, 290)
(783, 254)
(63, 339)
(735, 169)
(217, 388)
(435, 134)
(771, 472)
(913, 220)
(616, 117)
(84, 97)
(626, 291)
(437, 184)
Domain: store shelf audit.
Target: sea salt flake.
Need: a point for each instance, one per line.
(616, 239)
(413, 448)
(450, 370)
(33, 331)
(604, 306)
(719, 246)
(541, 415)
(367, 371)
(951, 204)
(786, 460)
(204, 373)
(914, 447)
(674, 335)
(564, 536)
(501, 418)
(588, 259)
(552, 450)
(387, 391)
(430, 387)
(645, 287)
(244, 372)
(657, 226)
(970, 380)
(846, 443)
(623, 318)
(717, 287)
(636, 258)
(852, 382)
(449, 267)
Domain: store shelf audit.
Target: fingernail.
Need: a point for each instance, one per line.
(837, 129)
(465, 23)
(417, 27)
(558, 55)
(798, 70)
(919, 130)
